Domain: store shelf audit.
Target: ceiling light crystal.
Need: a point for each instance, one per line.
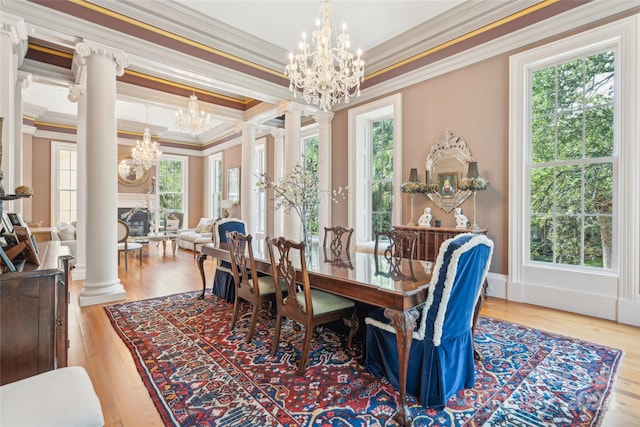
(328, 74)
(146, 152)
(194, 121)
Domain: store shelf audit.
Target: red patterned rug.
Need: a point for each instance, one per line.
(199, 373)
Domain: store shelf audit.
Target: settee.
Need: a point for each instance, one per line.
(66, 234)
(193, 238)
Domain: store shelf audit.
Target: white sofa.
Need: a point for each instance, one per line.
(66, 234)
(193, 238)
(62, 397)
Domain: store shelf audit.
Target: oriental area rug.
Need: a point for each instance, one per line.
(199, 373)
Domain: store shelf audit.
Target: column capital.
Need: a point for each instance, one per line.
(86, 48)
(323, 117)
(15, 27)
(24, 79)
(244, 127)
(277, 133)
(76, 92)
(292, 107)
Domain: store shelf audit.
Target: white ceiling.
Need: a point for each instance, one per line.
(368, 22)
(281, 23)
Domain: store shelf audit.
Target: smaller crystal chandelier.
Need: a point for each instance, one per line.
(146, 152)
(328, 74)
(193, 121)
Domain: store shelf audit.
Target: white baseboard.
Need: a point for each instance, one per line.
(497, 285)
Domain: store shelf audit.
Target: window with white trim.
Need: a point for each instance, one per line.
(65, 183)
(260, 165)
(172, 175)
(215, 185)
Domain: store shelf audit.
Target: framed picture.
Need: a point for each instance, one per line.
(447, 184)
(31, 252)
(6, 222)
(233, 185)
(16, 219)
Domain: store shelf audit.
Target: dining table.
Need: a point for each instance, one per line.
(398, 285)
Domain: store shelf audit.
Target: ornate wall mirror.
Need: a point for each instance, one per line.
(129, 173)
(446, 165)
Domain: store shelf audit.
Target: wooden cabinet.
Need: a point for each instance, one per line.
(430, 238)
(33, 316)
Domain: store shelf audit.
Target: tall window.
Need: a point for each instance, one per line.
(260, 164)
(375, 159)
(571, 171)
(574, 192)
(65, 162)
(310, 155)
(215, 166)
(172, 175)
(381, 174)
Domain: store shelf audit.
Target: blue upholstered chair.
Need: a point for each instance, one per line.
(441, 356)
(223, 284)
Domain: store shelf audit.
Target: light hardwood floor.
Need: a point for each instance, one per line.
(126, 402)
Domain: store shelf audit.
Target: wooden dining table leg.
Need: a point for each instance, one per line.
(201, 258)
(404, 322)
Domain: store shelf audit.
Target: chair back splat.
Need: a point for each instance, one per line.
(248, 286)
(400, 243)
(340, 238)
(301, 303)
(441, 357)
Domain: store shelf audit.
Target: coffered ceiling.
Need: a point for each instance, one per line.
(231, 54)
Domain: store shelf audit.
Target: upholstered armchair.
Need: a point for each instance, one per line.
(441, 356)
(223, 283)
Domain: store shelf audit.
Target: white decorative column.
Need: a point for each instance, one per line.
(324, 169)
(78, 94)
(13, 48)
(103, 64)
(22, 82)
(247, 180)
(278, 172)
(292, 122)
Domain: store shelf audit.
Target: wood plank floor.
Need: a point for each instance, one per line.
(126, 402)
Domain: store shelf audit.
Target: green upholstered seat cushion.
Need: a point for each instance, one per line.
(265, 283)
(324, 302)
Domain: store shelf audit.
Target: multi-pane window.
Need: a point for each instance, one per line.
(260, 196)
(571, 170)
(67, 185)
(171, 184)
(381, 175)
(310, 155)
(216, 186)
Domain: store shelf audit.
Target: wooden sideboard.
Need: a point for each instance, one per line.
(430, 238)
(33, 315)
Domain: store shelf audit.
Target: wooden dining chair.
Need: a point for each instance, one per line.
(124, 245)
(400, 243)
(249, 287)
(310, 307)
(340, 238)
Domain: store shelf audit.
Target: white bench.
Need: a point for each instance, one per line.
(63, 397)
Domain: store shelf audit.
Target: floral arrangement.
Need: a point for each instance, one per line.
(414, 187)
(477, 183)
(298, 191)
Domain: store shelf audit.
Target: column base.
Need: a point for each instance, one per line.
(100, 293)
(79, 272)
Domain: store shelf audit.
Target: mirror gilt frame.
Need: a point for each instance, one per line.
(129, 173)
(447, 164)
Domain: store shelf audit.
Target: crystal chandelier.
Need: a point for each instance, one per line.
(327, 74)
(193, 121)
(146, 152)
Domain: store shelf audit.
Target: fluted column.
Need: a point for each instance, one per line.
(292, 227)
(78, 94)
(22, 82)
(324, 169)
(247, 180)
(103, 64)
(13, 48)
(278, 172)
